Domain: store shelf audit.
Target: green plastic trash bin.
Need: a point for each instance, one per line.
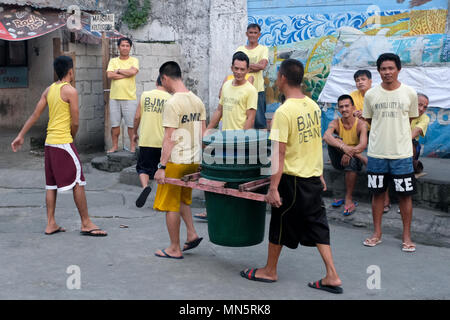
(233, 221)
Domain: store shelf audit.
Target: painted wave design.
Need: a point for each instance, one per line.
(278, 30)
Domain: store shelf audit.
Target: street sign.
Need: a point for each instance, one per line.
(102, 22)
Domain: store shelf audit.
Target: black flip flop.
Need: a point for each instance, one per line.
(143, 197)
(250, 275)
(192, 244)
(60, 229)
(320, 286)
(166, 255)
(93, 234)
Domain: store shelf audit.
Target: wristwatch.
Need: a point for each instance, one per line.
(160, 166)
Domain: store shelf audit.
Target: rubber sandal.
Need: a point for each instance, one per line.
(338, 203)
(60, 229)
(408, 247)
(250, 275)
(320, 286)
(143, 197)
(372, 242)
(166, 255)
(202, 216)
(93, 234)
(192, 244)
(350, 210)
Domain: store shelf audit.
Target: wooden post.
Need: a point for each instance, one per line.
(106, 87)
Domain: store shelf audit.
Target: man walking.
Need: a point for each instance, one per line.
(149, 115)
(259, 59)
(345, 151)
(184, 119)
(63, 169)
(389, 107)
(298, 214)
(122, 72)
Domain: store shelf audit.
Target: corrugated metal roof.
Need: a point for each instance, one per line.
(87, 5)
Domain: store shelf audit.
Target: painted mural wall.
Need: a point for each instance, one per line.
(333, 39)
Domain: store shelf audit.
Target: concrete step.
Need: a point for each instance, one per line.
(114, 162)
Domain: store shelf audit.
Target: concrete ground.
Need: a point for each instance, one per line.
(123, 265)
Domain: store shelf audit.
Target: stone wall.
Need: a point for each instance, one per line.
(89, 83)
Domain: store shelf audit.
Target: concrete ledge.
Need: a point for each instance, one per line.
(114, 162)
(433, 189)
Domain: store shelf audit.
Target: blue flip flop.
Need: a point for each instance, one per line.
(338, 203)
(166, 255)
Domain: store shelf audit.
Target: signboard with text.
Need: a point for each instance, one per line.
(13, 77)
(102, 22)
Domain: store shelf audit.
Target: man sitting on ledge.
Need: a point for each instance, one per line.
(346, 149)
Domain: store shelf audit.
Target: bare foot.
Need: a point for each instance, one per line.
(113, 149)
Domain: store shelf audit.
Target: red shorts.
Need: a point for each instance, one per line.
(62, 167)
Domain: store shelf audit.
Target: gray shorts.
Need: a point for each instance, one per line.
(119, 109)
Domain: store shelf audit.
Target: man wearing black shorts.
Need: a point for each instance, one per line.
(149, 116)
(300, 216)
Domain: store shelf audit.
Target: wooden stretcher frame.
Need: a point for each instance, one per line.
(195, 181)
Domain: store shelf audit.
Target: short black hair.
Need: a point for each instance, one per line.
(62, 65)
(241, 56)
(254, 25)
(293, 70)
(389, 57)
(170, 69)
(344, 97)
(158, 81)
(124, 39)
(360, 73)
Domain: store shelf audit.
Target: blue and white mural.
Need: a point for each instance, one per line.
(350, 34)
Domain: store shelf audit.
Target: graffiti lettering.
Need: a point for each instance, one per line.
(32, 23)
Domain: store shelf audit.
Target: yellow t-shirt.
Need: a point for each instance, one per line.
(422, 123)
(185, 112)
(297, 122)
(123, 89)
(255, 55)
(358, 100)
(59, 118)
(151, 131)
(390, 110)
(235, 101)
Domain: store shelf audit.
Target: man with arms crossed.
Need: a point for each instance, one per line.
(389, 107)
(149, 115)
(259, 59)
(184, 120)
(298, 214)
(122, 72)
(63, 169)
(346, 151)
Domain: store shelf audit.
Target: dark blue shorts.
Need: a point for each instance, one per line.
(400, 172)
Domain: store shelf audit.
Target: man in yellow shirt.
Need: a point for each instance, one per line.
(239, 98)
(63, 169)
(184, 120)
(149, 114)
(122, 72)
(345, 151)
(298, 213)
(363, 81)
(238, 102)
(419, 126)
(259, 59)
